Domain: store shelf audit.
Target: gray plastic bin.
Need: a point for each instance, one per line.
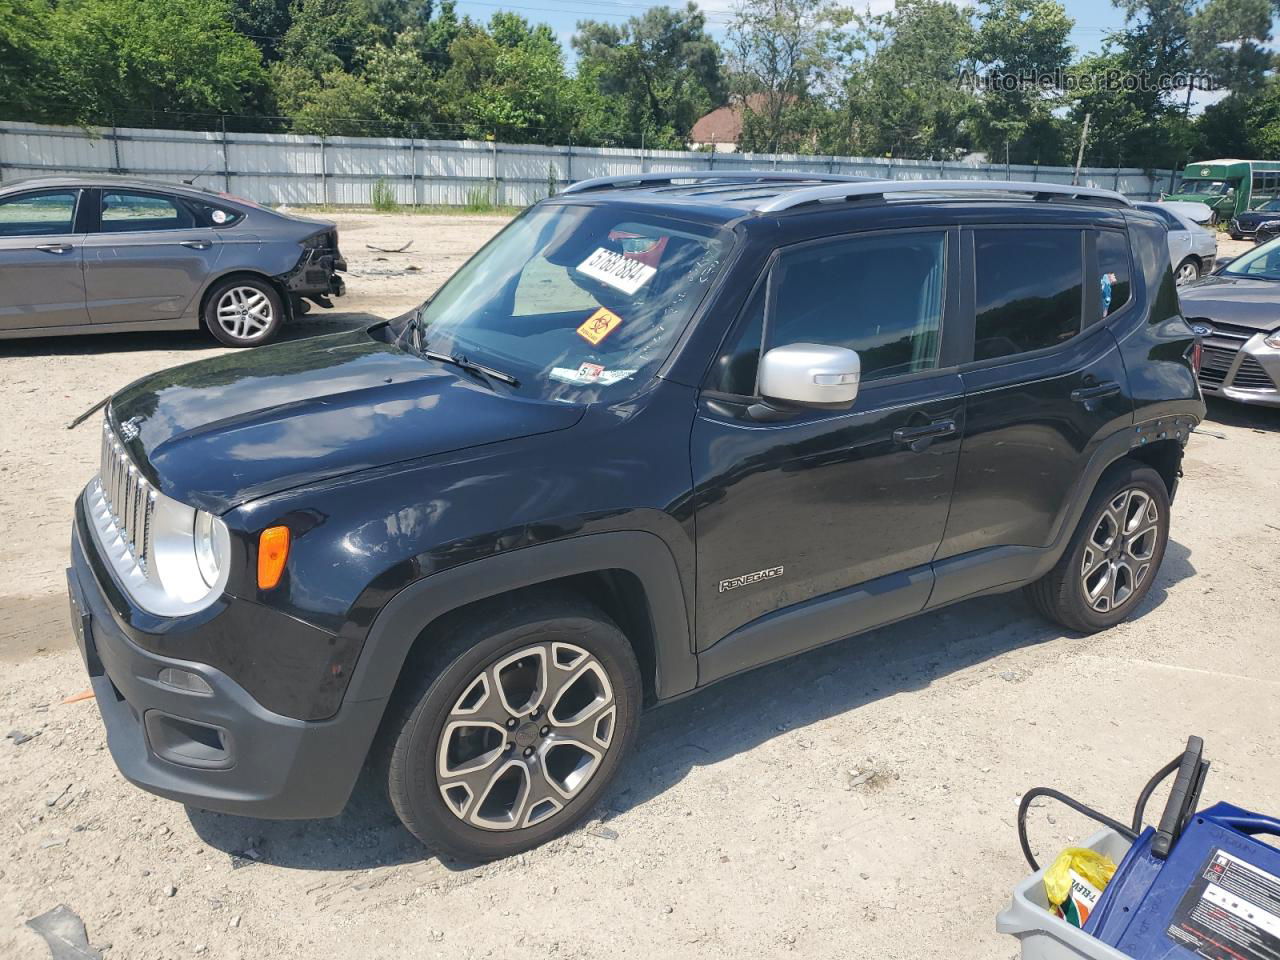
(1045, 936)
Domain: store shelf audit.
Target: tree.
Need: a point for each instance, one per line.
(326, 35)
(510, 88)
(1022, 39)
(902, 97)
(265, 22)
(116, 58)
(662, 67)
(783, 51)
(335, 104)
(24, 79)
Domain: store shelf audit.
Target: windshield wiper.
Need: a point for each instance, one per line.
(463, 363)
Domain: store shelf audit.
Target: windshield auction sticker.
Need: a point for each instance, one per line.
(617, 270)
(599, 325)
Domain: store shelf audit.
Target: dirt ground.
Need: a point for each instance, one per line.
(856, 801)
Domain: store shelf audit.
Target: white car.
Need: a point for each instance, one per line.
(1192, 248)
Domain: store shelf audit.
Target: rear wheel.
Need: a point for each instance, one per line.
(1114, 555)
(244, 312)
(1188, 270)
(512, 736)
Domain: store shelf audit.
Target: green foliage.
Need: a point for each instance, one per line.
(782, 53)
(479, 200)
(383, 197)
(902, 98)
(661, 70)
(808, 75)
(110, 60)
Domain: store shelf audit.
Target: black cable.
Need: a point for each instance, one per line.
(1140, 809)
(1076, 805)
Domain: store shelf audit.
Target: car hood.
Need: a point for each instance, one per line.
(219, 432)
(1258, 216)
(1237, 300)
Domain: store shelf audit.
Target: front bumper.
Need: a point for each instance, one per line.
(219, 749)
(1249, 374)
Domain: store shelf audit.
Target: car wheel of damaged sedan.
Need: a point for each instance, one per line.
(512, 738)
(1188, 272)
(244, 312)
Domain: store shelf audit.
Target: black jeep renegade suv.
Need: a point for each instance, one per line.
(658, 431)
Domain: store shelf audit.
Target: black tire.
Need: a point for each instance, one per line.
(1061, 595)
(458, 653)
(1237, 236)
(260, 320)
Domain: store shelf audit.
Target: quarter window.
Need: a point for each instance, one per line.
(130, 212)
(1029, 290)
(36, 215)
(1113, 265)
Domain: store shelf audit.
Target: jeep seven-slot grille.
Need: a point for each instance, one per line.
(129, 497)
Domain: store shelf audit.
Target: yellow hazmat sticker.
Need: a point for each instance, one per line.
(599, 325)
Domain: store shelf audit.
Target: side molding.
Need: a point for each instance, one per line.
(644, 555)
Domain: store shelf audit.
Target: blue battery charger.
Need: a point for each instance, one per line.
(1200, 886)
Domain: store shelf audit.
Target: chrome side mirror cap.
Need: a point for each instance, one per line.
(811, 375)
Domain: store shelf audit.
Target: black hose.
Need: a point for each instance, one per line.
(1140, 809)
(1076, 805)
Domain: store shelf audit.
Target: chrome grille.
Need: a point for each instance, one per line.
(128, 496)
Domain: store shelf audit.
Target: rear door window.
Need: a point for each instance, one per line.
(1030, 290)
(47, 213)
(135, 212)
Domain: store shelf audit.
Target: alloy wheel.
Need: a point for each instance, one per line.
(1188, 272)
(245, 313)
(526, 736)
(1117, 555)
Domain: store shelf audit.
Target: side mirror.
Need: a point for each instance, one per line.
(811, 375)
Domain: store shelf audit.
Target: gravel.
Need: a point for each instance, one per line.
(736, 829)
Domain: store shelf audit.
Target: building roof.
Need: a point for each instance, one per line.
(724, 124)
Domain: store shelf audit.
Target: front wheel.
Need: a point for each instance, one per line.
(244, 312)
(1188, 271)
(1114, 555)
(513, 736)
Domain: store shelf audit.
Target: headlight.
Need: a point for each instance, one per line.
(210, 544)
(1272, 340)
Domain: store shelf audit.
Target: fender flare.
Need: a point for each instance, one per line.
(645, 555)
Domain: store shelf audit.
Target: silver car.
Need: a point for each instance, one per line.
(95, 255)
(1192, 248)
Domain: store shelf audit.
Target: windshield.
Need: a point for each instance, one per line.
(1262, 263)
(1203, 186)
(578, 303)
(1270, 205)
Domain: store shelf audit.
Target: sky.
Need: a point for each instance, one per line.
(1094, 18)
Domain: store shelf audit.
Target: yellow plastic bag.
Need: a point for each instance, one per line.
(1074, 882)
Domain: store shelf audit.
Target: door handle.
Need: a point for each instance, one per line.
(54, 247)
(196, 244)
(1097, 392)
(941, 428)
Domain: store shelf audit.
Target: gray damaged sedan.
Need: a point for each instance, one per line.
(1236, 316)
(97, 255)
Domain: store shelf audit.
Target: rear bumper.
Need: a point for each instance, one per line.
(217, 749)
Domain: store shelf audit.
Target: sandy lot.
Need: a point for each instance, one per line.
(856, 801)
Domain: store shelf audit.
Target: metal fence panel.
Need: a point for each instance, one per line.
(276, 168)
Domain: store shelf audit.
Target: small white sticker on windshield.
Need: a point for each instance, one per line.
(617, 270)
(587, 374)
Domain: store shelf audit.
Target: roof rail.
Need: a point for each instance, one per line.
(833, 193)
(670, 177)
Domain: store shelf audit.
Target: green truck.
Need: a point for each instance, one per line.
(1229, 187)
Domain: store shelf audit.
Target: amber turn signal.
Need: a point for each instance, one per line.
(273, 551)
